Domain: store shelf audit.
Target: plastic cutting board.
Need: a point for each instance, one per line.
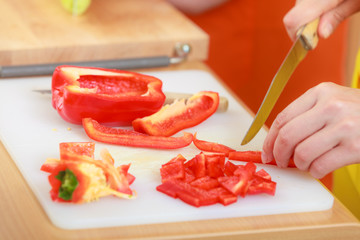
(31, 131)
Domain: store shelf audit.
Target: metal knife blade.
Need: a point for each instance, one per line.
(182, 50)
(307, 39)
(170, 98)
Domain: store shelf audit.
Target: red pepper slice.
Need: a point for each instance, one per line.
(211, 146)
(131, 138)
(109, 96)
(179, 115)
(253, 156)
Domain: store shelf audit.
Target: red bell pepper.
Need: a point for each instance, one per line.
(211, 146)
(109, 96)
(131, 138)
(179, 115)
(253, 156)
(77, 177)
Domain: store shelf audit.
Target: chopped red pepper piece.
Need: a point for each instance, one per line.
(131, 138)
(77, 148)
(179, 115)
(200, 165)
(253, 156)
(172, 170)
(261, 185)
(224, 196)
(263, 174)
(215, 165)
(205, 183)
(211, 146)
(109, 96)
(124, 169)
(206, 179)
(237, 184)
(230, 168)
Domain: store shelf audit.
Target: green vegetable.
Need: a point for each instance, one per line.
(68, 184)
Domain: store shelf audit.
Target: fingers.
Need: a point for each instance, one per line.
(331, 13)
(294, 133)
(317, 144)
(304, 12)
(296, 108)
(333, 147)
(320, 131)
(335, 158)
(331, 19)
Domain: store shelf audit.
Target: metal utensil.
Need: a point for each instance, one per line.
(181, 51)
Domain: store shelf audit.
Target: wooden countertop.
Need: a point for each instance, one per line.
(22, 217)
(41, 31)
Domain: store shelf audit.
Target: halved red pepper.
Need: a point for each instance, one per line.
(109, 96)
(131, 138)
(179, 115)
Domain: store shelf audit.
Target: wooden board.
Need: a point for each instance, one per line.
(41, 31)
(30, 146)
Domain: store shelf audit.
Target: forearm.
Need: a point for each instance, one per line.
(196, 6)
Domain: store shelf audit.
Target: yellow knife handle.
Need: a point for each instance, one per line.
(308, 35)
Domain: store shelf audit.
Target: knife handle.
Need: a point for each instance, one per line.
(308, 34)
(172, 96)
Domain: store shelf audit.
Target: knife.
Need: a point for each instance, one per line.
(48, 69)
(307, 39)
(181, 50)
(170, 98)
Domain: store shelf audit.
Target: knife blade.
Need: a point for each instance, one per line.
(307, 40)
(170, 98)
(181, 50)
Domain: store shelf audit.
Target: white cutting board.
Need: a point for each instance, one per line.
(31, 131)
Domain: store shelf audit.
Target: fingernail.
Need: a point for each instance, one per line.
(263, 157)
(326, 30)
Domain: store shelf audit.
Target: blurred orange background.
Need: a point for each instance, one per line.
(248, 43)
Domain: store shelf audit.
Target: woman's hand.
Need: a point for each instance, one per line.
(331, 13)
(320, 130)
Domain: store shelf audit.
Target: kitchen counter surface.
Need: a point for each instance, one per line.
(41, 31)
(22, 216)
